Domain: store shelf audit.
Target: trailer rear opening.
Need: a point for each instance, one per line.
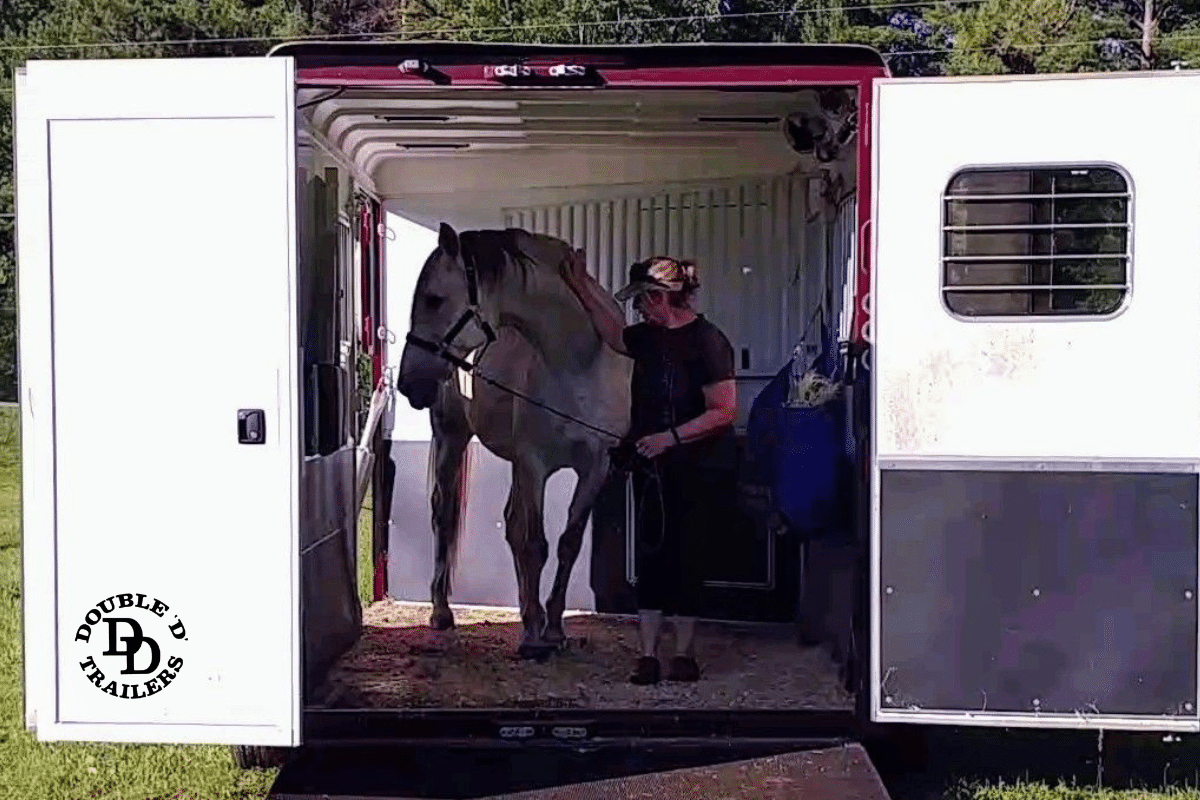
(758, 184)
(991, 500)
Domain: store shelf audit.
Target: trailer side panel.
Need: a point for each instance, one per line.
(1036, 437)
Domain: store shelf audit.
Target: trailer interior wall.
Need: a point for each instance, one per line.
(759, 219)
(623, 175)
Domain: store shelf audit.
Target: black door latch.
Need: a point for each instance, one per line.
(252, 426)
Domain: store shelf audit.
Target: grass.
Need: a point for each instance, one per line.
(33, 771)
(1038, 791)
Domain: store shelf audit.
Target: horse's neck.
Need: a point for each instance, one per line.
(545, 310)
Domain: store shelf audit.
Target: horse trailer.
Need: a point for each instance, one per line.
(961, 533)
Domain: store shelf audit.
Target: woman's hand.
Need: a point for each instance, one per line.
(574, 269)
(655, 444)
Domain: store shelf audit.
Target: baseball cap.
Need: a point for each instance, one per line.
(654, 274)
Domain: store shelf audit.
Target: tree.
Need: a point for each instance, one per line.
(153, 28)
(901, 34)
(558, 21)
(642, 21)
(361, 17)
(1150, 34)
(1019, 36)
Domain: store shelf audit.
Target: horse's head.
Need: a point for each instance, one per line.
(444, 317)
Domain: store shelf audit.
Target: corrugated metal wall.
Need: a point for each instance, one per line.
(747, 238)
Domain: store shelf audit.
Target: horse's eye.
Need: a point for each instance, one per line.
(433, 302)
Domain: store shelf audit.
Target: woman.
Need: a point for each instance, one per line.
(683, 407)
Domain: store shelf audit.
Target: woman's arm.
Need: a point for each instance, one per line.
(720, 389)
(606, 316)
(720, 401)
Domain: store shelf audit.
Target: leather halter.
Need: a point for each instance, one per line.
(442, 349)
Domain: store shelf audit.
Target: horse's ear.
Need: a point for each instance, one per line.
(448, 240)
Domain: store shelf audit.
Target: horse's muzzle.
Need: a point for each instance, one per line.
(421, 395)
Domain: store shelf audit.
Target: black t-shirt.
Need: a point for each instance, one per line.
(671, 367)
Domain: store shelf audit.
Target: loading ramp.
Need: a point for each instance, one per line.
(708, 771)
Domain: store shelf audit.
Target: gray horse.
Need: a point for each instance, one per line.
(544, 346)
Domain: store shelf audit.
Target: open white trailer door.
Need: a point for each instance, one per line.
(1036, 310)
(158, 355)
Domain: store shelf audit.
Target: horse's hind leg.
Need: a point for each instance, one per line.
(592, 471)
(525, 531)
(451, 435)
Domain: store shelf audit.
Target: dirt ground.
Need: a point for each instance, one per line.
(401, 662)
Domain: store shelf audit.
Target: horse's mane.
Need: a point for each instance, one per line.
(494, 250)
(504, 255)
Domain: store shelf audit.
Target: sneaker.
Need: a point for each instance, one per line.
(646, 671)
(684, 668)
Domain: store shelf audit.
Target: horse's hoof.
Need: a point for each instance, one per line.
(441, 620)
(536, 652)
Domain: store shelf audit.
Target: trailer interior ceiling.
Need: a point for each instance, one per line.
(718, 171)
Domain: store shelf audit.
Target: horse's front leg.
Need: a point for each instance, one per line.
(591, 471)
(451, 435)
(525, 532)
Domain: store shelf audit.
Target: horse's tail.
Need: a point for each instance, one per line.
(464, 486)
(451, 535)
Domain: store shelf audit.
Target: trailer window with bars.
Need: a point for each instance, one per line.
(1036, 241)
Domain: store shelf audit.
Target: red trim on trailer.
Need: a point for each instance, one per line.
(476, 76)
(860, 334)
(366, 342)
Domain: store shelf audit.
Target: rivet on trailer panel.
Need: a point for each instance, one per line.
(1037, 592)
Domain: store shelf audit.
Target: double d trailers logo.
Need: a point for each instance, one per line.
(137, 642)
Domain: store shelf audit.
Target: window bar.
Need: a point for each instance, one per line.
(1035, 227)
(1033, 287)
(1063, 196)
(1017, 257)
